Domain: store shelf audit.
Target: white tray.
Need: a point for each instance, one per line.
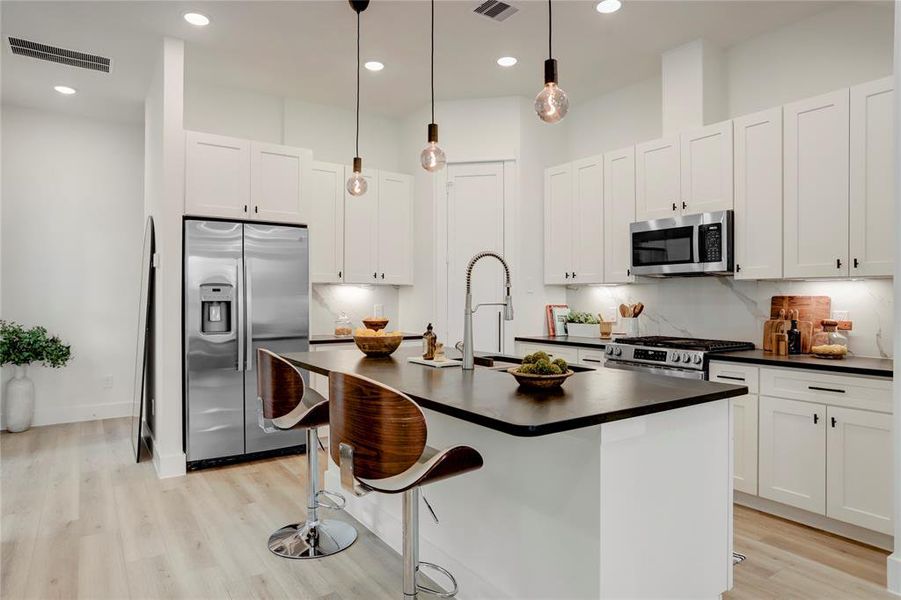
(448, 362)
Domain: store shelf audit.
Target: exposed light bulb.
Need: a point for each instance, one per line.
(432, 157)
(551, 103)
(356, 183)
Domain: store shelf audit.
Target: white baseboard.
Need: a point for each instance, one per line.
(77, 413)
(169, 465)
(893, 564)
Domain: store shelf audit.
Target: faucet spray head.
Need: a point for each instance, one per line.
(508, 306)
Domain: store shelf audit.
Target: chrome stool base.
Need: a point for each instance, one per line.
(302, 540)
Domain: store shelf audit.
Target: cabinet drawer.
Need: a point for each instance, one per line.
(836, 390)
(736, 375)
(591, 357)
(567, 353)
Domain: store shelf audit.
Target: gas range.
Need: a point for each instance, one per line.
(673, 356)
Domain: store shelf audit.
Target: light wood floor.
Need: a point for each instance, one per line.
(81, 520)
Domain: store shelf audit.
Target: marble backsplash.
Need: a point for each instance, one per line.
(356, 300)
(723, 308)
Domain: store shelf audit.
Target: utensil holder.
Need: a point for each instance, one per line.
(629, 326)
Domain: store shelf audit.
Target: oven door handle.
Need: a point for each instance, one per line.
(655, 370)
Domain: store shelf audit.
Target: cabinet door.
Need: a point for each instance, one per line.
(619, 213)
(327, 223)
(361, 231)
(217, 176)
(816, 186)
(395, 229)
(792, 458)
(859, 468)
(558, 220)
(587, 221)
(758, 195)
(278, 176)
(658, 190)
(872, 179)
(744, 432)
(706, 162)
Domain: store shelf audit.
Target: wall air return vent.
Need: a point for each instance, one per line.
(495, 10)
(73, 58)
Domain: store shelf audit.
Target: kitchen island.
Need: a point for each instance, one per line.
(618, 485)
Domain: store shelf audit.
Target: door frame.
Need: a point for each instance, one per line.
(440, 224)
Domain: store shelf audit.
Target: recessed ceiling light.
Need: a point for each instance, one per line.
(609, 6)
(64, 90)
(197, 19)
(506, 61)
(374, 65)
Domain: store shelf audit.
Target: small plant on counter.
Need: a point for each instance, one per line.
(540, 363)
(581, 318)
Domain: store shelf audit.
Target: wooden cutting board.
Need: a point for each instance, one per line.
(806, 329)
(769, 328)
(810, 308)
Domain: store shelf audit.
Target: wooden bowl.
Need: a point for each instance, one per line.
(378, 346)
(539, 382)
(375, 324)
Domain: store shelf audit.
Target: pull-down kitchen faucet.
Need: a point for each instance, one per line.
(468, 362)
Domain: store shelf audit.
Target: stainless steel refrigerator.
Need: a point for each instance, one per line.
(246, 286)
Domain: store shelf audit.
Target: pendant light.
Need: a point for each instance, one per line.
(432, 157)
(551, 103)
(356, 183)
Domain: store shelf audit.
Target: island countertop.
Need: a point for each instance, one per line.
(493, 399)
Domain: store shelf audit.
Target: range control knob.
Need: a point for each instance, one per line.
(618, 351)
(697, 359)
(676, 357)
(609, 350)
(686, 357)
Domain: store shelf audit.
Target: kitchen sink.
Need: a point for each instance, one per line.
(502, 362)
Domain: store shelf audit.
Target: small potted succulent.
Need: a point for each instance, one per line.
(582, 324)
(21, 347)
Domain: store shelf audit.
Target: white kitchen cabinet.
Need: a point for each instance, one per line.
(619, 213)
(361, 231)
(587, 221)
(758, 195)
(744, 431)
(816, 146)
(558, 204)
(872, 155)
(706, 163)
(217, 176)
(395, 229)
(327, 223)
(592, 357)
(792, 458)
(658, 191)
(859, 475)
(279, 178)
(568, 353)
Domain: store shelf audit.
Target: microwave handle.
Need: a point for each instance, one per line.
(696, 243)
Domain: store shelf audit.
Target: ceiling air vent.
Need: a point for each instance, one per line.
(495, 10)
(73, 58)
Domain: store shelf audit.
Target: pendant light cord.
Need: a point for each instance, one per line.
(550, 29)
(357, 138)
(433, 61)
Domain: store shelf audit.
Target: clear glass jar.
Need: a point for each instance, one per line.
(829, 343)
(343, 326)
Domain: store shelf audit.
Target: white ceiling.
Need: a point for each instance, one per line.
(305, 49)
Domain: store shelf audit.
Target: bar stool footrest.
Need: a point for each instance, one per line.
(334, 500)
(433, 591)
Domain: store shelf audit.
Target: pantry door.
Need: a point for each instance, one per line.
(475, 222)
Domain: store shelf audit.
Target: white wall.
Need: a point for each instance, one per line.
(71, 246)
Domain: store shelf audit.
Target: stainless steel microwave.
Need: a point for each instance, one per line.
(688, 245)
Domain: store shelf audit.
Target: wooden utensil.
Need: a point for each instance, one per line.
(636, 309)
(770, 328)
(624, 311)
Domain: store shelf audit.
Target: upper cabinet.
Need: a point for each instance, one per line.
(361, 230)
(217, 176)
(574, 222)
(758, 195)
(706, 160)
(619, 213)
(658, 191)
(232, 178)
(872, 228)
(327, 223)
(816, 144)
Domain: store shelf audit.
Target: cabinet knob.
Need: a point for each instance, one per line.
(856, 263)
(737, 268)
(684, 206)
(628, 272)
(574, 274)
(816, 418)
(834, 422)
(256, 209)
(567, 275)
(245, 208)
(375, 275)
(674, 206)
(383, 275)
(339, 273)
(838, 263)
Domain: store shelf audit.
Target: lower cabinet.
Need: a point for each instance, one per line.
(568, 353)
(744, 431)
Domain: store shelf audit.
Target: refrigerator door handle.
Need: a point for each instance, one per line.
(248, 317)
(239, 277)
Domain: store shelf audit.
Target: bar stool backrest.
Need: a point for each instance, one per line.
(386, 429)
(280, 385)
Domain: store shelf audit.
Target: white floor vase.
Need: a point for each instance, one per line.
(19, 401)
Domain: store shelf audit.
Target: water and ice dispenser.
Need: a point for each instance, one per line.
(217, 305)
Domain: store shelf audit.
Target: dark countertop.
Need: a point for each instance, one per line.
(565, 340)
(851, 365)
(494, 400)
(348, 339)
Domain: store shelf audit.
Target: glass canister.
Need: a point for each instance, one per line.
(829, 343)
(343, 326)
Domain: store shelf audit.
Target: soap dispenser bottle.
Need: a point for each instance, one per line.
(429, 343)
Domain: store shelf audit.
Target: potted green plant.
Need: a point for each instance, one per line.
(582, 324)
(21, 347)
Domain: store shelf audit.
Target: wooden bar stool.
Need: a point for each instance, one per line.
(286, 403)
(378, 440)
